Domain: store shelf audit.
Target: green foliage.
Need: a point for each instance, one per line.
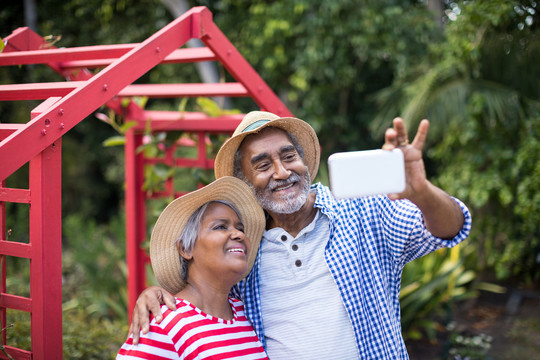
(89, 337)
(484, 52)
(479, 88)
(161, 144)
(464, 346)
(496, 172)
(94, 291)
(325, 57)
(84, 337)
(94, 268)
(430, 285)
(345, 66)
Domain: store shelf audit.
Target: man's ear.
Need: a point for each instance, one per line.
(183, 253)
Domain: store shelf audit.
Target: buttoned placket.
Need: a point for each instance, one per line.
(294, 250)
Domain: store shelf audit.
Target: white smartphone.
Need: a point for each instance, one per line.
(364, 173)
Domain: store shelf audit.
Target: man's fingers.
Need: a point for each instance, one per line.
(421, 134)
(130, 331)
(134, 329)
(154, 306)
(169, 301)
(389, 139)
(401, 132)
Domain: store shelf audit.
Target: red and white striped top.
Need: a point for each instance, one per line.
(188, 333)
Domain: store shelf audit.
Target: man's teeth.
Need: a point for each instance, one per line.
(284, 187)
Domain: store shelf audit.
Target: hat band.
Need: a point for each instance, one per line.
(255, 125)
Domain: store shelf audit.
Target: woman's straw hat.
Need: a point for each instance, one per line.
(163, 252)
(254, 122)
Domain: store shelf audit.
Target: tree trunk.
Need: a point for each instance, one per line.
(437, 8)
(30, 16)
(207, 69)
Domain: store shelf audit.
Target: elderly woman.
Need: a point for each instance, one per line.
(202, 244)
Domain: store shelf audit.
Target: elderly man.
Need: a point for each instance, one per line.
(326, 281)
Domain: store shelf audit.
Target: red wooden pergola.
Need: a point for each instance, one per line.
(65, 104)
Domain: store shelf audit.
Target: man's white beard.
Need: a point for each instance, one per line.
(288, 204)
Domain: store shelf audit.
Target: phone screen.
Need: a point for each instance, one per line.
(365, 173)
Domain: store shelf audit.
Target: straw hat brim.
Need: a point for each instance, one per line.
(164, 255)
(304, 133)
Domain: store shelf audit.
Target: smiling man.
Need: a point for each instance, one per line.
(326, 281)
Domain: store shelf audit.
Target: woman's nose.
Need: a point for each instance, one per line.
(237, 234)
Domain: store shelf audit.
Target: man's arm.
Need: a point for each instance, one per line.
(149, 301)
(442, 215)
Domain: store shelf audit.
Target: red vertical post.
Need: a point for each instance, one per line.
(46, 259)
(201, 149)
(135, 218)
(3, 235)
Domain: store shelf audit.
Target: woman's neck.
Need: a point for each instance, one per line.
(210, 300)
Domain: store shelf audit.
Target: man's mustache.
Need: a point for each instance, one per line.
(273, 183)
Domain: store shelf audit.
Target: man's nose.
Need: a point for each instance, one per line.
(280, 171)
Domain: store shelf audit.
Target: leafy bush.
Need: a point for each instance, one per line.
(429, 286)
(84, 336)
(94, 291)
(467, 347)
(94, 268)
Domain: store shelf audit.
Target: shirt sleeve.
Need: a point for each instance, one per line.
(156, 344)
(408, 237)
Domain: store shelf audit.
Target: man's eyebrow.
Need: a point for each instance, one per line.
(259, 157)
(287, 148)
(263, 156)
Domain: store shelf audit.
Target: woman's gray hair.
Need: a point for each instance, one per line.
(191, 230)
(237, 171)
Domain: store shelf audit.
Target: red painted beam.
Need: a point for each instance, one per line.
(46, 260)
(37, 91)
(46, 56)
(15, 195)
(18, 353)
(187, 55)
(96, 56)
(135, 218)
(184, 90)
(15, 302)
(189, 121)
(8, 129)
(18, 249)
(22, 145)
(40, 91)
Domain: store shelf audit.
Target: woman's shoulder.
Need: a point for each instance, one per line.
(182, 307)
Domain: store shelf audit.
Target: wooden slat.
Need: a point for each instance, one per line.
(178, 56)
(37, 91)
(189, 121)
(15, 195)
(18, 354)
(181, 90)
(8, 129)
(46, 56)
(15, 302)
(11, 248)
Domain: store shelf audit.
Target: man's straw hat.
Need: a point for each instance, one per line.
(254, 122)
(163, 252)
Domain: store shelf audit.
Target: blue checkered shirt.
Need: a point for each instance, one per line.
(371, 240)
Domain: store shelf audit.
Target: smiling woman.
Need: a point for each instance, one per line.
(202, 244)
